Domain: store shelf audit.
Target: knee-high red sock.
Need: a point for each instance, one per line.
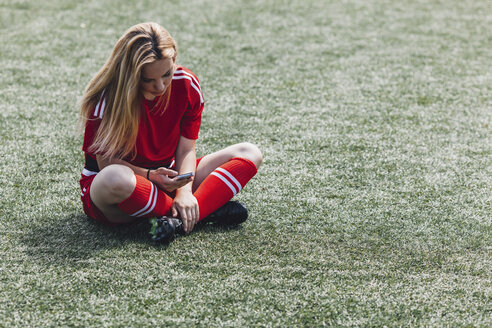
(146, 201)
(222, 184)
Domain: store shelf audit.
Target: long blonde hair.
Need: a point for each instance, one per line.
(119, 80)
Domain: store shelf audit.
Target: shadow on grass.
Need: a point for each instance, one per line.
(77, 238)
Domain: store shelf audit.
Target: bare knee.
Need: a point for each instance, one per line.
(249, 151)
(113, 184)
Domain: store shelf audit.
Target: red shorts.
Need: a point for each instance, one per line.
(89, 207)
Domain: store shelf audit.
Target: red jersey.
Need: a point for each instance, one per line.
(158, 133)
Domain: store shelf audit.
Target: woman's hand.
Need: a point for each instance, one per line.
(186, 205)
(163, 178)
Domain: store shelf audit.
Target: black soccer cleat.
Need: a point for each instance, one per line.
(232, 213)
(164, 228)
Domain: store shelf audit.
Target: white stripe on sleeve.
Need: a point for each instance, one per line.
(102, 108)
(88, 173)
(190, 75)
(180, 77)
(96, 112)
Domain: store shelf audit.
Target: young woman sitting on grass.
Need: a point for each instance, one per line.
(142, 114)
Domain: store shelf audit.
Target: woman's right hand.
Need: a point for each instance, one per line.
(163, 178)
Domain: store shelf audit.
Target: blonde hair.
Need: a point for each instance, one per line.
(119, 80)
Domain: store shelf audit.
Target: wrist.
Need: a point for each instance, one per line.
(183, 190)
(149, 174)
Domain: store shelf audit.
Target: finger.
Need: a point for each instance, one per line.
(197, 213)
(177, 183)
(185, 182)
(174, 211)
(185, 223)
(185, 218)
(192, 220)
(193, 214)
(168, 172)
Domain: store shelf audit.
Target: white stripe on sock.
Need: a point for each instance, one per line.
(148, 203)
(218, 175)
(230, 177)
(153, 203)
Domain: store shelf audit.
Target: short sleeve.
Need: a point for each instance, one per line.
(92, 124)
(192, 118)
(90, 132)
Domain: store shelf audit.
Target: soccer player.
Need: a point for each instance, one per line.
(142, 113)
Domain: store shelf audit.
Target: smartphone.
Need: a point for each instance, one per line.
(184, 176)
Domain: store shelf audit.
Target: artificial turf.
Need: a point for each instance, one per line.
(373, 206)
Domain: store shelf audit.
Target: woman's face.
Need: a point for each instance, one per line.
(156, 77)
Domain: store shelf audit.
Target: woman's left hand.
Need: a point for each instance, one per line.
(186, 205)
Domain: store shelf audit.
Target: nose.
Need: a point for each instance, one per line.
(159, 86)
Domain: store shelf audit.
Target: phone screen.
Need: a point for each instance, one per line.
(184, 176)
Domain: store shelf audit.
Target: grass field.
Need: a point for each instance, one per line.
(373, 206)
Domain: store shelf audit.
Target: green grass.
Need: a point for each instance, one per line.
(373, 206)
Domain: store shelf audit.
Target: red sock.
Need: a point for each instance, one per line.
(146, 201)
(222, 184)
